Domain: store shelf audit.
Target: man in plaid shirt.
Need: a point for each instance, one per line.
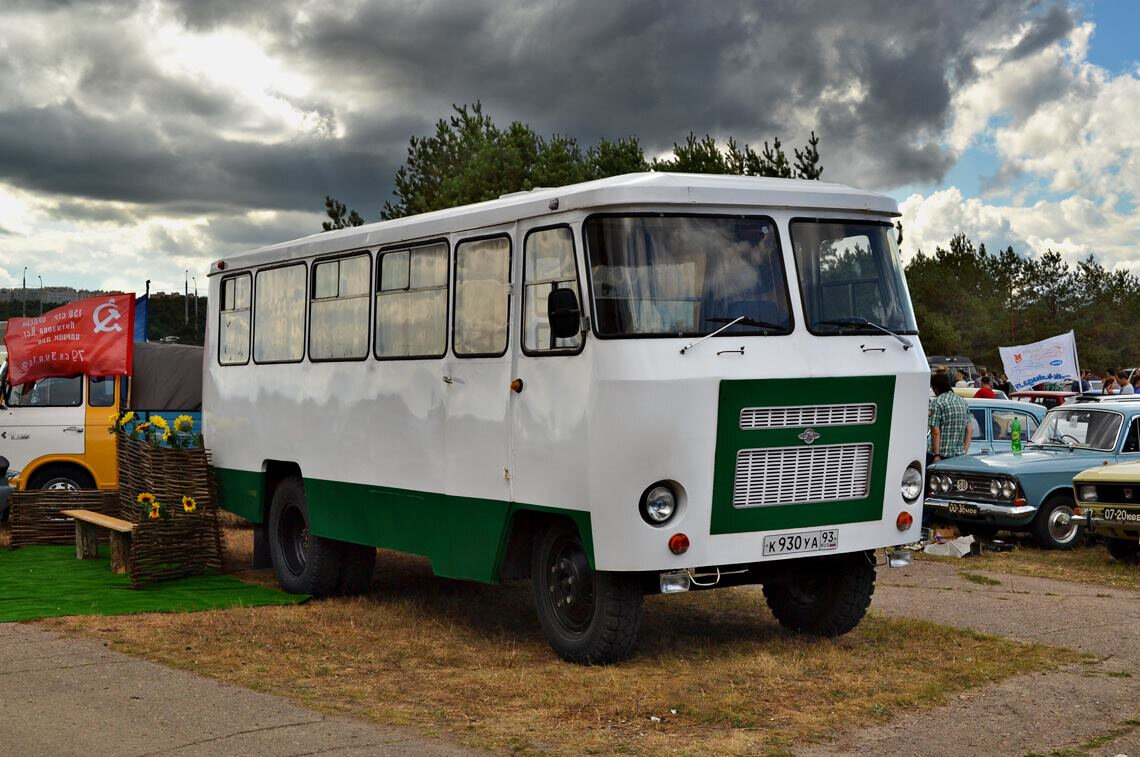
(949, 422)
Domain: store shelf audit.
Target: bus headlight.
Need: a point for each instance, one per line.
(912, 482)
(1087, 493)
(658, 504)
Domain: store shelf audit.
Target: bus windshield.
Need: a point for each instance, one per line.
(673, 275)
(851, 278)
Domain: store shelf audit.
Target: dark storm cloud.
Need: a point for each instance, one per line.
(875, 79)
(1051, 27)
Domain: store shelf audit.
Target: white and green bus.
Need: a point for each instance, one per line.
(649, 383)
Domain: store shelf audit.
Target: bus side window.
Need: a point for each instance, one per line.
(411, 302)
(101, 391)
(233, 323)
(548, 264)
(338, 312)
(482, 277)
(279, 314)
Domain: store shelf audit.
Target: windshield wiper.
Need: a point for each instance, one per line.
(746, 321)
(857, 322)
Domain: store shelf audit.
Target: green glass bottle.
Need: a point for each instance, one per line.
(1015, 436)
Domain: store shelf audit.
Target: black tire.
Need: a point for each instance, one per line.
(823, 596)
(1125, 550)
(589, 617)
(61, 477)
(980, 531)
(358, 563)
(304, 564)
(1047, 527)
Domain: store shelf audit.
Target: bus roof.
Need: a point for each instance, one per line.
(652, 188)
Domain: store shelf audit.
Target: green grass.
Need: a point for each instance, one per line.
(44, 582)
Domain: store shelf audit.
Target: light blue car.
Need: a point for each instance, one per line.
(991, 422)
(1033, 490)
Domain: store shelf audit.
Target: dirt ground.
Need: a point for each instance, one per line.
(1083, 709)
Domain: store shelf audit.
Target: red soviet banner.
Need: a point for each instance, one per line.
(93, 336)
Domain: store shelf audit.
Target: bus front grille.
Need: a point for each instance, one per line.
(798, 475)
(797, 416)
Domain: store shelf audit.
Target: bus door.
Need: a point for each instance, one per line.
(477, 376)
(44, 417)
(548, 414)
(99, 443)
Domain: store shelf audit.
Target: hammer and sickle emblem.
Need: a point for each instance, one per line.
(808, 436)
(101, 322)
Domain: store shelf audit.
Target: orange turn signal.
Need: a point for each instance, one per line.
(904, 521)
(1019, 501)
(678, 544)
(517, 386)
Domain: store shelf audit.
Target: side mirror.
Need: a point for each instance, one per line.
(564, 313)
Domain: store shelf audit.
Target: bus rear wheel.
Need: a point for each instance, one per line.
(824, 596)
(589, 617)
(304, 563)
(61, 478)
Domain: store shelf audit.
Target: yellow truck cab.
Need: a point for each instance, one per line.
(54, 431)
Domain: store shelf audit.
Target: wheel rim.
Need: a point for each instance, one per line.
(61, 484)
(293, 536)
(1061, 527)
(570, 585)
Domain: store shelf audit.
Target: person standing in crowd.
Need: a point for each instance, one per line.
(1005, 385)
(1125, 384)
(986, 390)
(961, 378)
(982, 373)
(949, 422)
(1109, 385)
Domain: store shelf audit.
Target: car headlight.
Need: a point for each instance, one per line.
(911, 486)
(1087, 492)
(1008, 489)
(945, 484)
(995, 488)
(658, 504)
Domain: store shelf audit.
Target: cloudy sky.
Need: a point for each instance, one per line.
(142, 138)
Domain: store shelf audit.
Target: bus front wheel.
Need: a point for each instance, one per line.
(589, 617)
(823, 596)
(304, 563)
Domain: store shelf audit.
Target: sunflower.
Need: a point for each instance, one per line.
(160, 422)
(188, 504)
(155, 512)
(166, 435)
(146, 499)
(184, 424)
(130, 416)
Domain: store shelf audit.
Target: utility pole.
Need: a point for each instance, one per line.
(186, 300)
(195, 278)
(41, 278)
(146, 329)
(24, 295)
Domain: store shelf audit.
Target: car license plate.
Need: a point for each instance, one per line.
(961, 508)
(1121, 515)
(811, 541)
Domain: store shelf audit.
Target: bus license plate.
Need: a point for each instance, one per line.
(812, 541)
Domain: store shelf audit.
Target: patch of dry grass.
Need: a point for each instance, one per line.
(1085, 564)
(469, 660)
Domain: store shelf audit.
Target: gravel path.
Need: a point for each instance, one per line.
(1038, 713)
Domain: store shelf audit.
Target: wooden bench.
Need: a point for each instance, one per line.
(87, 525)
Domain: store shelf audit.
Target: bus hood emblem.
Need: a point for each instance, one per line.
(808, 436)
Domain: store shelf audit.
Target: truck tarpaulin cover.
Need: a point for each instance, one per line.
(91, 337)
(167, 377)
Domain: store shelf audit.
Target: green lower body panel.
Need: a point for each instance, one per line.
(464, 537)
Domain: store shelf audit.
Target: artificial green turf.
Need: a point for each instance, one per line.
(44, 582)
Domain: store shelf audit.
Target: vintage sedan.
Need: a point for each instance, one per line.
(1032, 490)
(991, 423)
(1109, 497)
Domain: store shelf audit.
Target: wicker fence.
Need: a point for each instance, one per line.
(35, 515)
(186, 543)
